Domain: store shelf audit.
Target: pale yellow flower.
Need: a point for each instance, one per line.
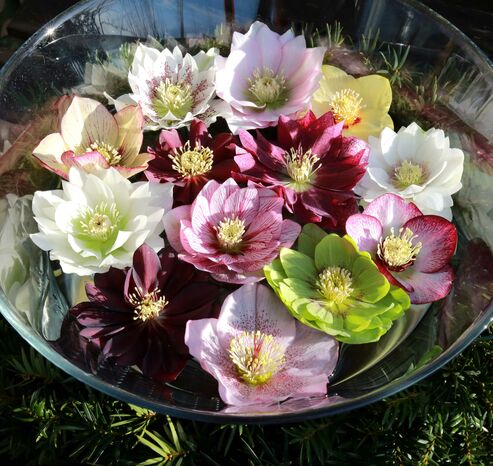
(363, 103)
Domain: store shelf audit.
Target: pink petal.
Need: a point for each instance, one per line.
(89, 162)
(290, 231)
(251, 308)
(193, 243)
(392, 211)
(427, 287)
(366, 231)
(172, 225)
(438, 237)
(220, 195)
(243, 204)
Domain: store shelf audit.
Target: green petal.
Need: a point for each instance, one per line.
(274, 273)
(370, 310)
(367, 336)
(310, 236)
(368, 283)
(298, 265)
(334, 251)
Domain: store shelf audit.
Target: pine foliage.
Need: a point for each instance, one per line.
(48, 418)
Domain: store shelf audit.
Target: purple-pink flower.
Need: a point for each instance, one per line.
(259, 353)
(267, 75)
(231, 232)
(411, 249)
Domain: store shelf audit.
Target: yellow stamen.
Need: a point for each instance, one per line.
(256, 356)
(171, 97)
(192, 162)
(335, 284)
(398, 251)
(147, 305)
(407, 174)
(112, 156)
(99, 222)
(346, 105)
(301, 167)
(230, 234)
(267, 88)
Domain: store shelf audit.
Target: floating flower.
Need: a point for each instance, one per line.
(312, 164)
(330, 285)
(137, 316)
(190, 164)
(361, 103)
(412, 250)
(97, 221)
(91, 138)
(267, 75)
(229, 231)
(258, 353)
(417, 165)
(172, 89)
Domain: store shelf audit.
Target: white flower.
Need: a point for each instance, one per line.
(97, 221)
(417, 165)
(172, 89)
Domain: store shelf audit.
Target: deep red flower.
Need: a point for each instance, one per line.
(190, 164)
(137, 316)
(311, 163)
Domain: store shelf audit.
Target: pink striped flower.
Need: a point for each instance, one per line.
(411, 249)
(231, 232)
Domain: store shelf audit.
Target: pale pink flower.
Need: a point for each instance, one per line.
(259, 353)
(91, 138)
(267, 75)
(411, 249)
(231, 232)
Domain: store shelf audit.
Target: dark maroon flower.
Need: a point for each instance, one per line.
(311, 163)
(137, 316)
(190, 164)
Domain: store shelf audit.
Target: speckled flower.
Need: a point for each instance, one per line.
(137, 316)
(97, 221)
(190, 163)
(92, 138)
(412, 250)
(171, 88)
(418, 165)
(267, 75)
(330, 285)
(361, 103)
(229, 231)
(258, 353)
(313, 166)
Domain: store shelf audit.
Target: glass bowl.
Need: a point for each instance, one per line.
(445, 81)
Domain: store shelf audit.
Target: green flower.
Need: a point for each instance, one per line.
(328, 284)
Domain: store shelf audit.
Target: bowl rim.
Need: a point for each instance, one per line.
(41, 345)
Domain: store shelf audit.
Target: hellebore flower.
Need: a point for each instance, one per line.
(267, 75)
(417, 165)
(229, 231)
(171, 88)
(412, 250)
(97, 221)
(361, 103)
(137, 316)
(258, 353)
(91, 138)
(313, 165)
(190, 164)
(330, 285)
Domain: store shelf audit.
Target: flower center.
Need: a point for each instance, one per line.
(176, 98)
(346, 106)
(334, 284)
(407, 174)
(111, 154)
(230, 234)
(256, 356)
(398, 252)
(147, 305)
(267, 89)
(100, 222)
(192, 162)
(301, 167)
